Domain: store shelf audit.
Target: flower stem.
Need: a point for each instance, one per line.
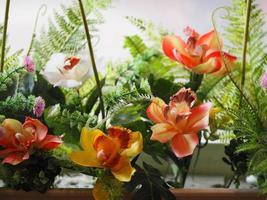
(4, 36)
(42, 10)
(244, 52)
(88, 37)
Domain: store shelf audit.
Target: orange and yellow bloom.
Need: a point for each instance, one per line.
(110, 151)
(178, 122)
(18, 141)
(200, 53)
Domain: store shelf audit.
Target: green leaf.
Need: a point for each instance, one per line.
(135, 45)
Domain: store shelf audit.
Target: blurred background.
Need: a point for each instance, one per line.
(174, 15)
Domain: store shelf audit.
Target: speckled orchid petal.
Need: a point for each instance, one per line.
(130, 142)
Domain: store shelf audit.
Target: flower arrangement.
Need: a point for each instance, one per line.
(167, 101)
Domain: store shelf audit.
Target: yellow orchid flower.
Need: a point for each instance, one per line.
(110, 151)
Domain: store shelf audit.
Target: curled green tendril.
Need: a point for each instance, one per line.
(41, 11)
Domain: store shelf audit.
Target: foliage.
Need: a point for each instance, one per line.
(147, 183)
(248, 124)
(35, 174)
(62, 121)
(17, 106)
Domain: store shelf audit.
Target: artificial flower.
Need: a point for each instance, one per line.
(29, 64)
(19, 140)
(64, 71)
(39, 106)
(110, 151)
(179, 122)
(263, 81)
(200, 53)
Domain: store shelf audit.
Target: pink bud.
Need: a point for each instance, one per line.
(39, 106)
(29, 64)
(263, 80)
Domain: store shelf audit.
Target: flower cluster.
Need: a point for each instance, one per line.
(20, 140)
(199, 53)
(110, 151)
(178, 122)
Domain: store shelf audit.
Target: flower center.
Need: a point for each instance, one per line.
(71, 62)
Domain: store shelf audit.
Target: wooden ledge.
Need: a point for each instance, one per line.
(181, 194)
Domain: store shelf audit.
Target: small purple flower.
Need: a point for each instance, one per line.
(264, 80)
(29, 64)
(39, 106)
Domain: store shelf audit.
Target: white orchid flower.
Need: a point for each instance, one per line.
(64, 71)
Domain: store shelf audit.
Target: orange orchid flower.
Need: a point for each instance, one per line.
(17, 141)
(178, 122)
(110, 151)
(200, 53)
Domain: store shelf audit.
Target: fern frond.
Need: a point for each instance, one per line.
(135, 45)
(17, 106)
(62, 121)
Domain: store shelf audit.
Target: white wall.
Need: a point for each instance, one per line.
(173, 14)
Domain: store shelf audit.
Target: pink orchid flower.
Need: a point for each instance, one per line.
(200, 53)
(18, 141)
(178, 122)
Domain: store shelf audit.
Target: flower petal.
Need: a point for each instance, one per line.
(184, 145)
(52, 77)
(229, 60)
(187, 61)
(68, 83)
(85, 158)
(170, 43)
(123, 170)
(199, 118)
(50, 142)
(16, 158)
(12, 126)
(155, 110)
(163, 132)
(56, 61)
(136, 145)
(88, 138)
(207, 67)
(35, 127)
(210, 40)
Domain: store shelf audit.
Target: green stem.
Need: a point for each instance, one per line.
(4, 36)
(244, 52)
(90, 46)
(42, 9)
(195, 81)
(10, 74)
